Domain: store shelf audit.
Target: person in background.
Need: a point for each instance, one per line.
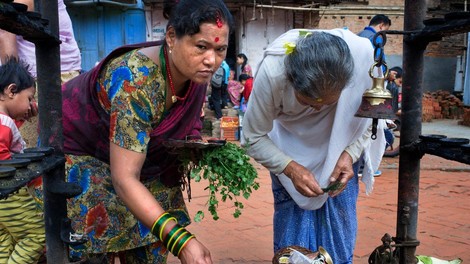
(245, 68)
(378, 23)
(218, 91)
(399, 82)
(394, 86)
(22, 233)
(234, 89)
(300, 125)
(70, 58)
(117, 116)
(247, 82)
(225, 97)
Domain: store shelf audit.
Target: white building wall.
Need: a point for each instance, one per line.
(257, 32)
(156, 24)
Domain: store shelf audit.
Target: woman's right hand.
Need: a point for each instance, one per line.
(303, 180)
(195, 252)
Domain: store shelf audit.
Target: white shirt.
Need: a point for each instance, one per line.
(278, 129)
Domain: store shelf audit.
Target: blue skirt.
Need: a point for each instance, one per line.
(333, 226)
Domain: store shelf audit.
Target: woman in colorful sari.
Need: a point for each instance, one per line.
(234, 88)
(116, 117)
(245, 68)
(300, 124)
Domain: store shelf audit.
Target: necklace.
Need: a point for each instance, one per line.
(167, 73)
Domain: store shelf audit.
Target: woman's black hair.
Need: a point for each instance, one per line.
(243, 77)
(14, 71)
(398, 70)
(245, 60)
(186, 16)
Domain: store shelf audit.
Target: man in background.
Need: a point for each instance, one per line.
(378, 23)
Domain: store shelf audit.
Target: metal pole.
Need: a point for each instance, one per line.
(409, 164)
(50, 127)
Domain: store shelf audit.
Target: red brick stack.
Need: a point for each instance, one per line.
(428, 108)
(441, 104)
(465, 117)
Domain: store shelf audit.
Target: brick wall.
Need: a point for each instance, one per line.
(451, 46)
(359, 18)
(358, 22)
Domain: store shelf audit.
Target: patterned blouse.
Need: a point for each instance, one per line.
(131, 90)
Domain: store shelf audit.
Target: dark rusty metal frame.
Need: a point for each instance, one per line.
(417, 35)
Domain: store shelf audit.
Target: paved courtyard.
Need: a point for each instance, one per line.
(443, 220)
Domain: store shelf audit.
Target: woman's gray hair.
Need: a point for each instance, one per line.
(320, 65)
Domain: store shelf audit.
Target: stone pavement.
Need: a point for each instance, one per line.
(443, 220)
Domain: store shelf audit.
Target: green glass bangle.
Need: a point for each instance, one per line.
(180, 243)
(177, 240)
(169, 237)
(184, 243)
(163, 227)
(156, 225)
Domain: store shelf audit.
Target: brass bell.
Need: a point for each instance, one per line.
(377, 101)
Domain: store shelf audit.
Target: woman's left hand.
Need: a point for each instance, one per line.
(195, 253)
(342, 172)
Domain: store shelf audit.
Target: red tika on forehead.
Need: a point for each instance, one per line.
(216, 39)
(219, 21)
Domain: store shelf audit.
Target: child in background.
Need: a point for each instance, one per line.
(247, 82)
(22, 233)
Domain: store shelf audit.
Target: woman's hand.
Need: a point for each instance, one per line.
(195, 252)
(303, 180)
(342, 172)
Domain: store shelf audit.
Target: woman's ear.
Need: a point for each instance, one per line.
(170, 37)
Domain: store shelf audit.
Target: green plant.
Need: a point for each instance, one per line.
(229, 172)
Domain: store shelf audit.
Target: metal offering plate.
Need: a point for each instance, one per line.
(30, 156)
(283, 255)
(44, 150)
(7, 172)
(16, 163)
(193, 143)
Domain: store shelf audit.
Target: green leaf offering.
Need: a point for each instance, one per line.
(229, 172)
(333, 187)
